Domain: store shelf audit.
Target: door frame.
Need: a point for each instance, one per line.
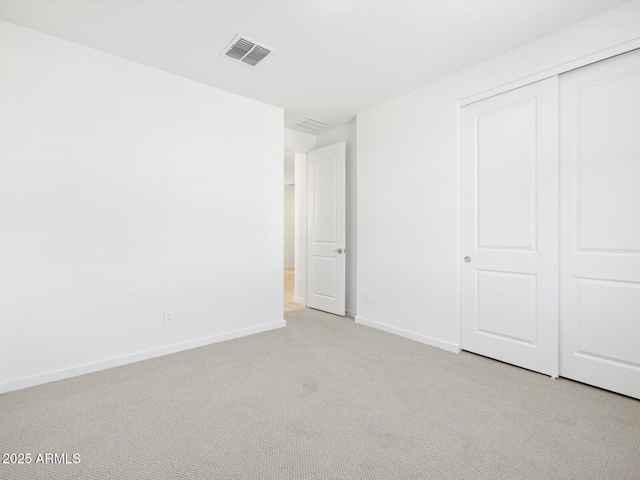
(300, 216)
(557, 70)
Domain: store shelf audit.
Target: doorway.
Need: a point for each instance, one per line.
(315, 229)
(291, 245)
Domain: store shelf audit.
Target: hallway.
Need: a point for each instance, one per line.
(289, 282)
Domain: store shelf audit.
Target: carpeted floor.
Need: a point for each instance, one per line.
(323, 398)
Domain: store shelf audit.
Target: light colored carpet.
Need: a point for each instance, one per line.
(323, 398)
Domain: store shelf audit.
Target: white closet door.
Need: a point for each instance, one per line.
(510, 227)
(600, 272)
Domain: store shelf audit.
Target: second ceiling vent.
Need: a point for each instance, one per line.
(246, 50)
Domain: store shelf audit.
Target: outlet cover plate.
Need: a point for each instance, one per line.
(169, 316)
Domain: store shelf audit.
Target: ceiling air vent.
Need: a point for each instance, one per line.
(246, 50)
(311, 124)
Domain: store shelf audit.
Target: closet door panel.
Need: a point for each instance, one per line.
(510, 227)
(600, 272)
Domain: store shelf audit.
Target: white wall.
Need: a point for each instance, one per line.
(299, 141)
(408, 182)
(289, 167)
(289, 225)
(124, 191)
(347, 133)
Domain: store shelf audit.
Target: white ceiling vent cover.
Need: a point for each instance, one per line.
(310, 124)
(246, 50)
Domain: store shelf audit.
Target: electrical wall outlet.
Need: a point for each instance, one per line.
(367, 297)
(169, 316)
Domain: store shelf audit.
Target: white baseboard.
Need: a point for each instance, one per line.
(299, 300)
(134, 357)
(449, 347)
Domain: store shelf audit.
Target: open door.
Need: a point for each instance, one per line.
(326, 229)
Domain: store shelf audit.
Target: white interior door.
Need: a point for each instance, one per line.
(510, 227)
(600, 279)
(326, 229)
